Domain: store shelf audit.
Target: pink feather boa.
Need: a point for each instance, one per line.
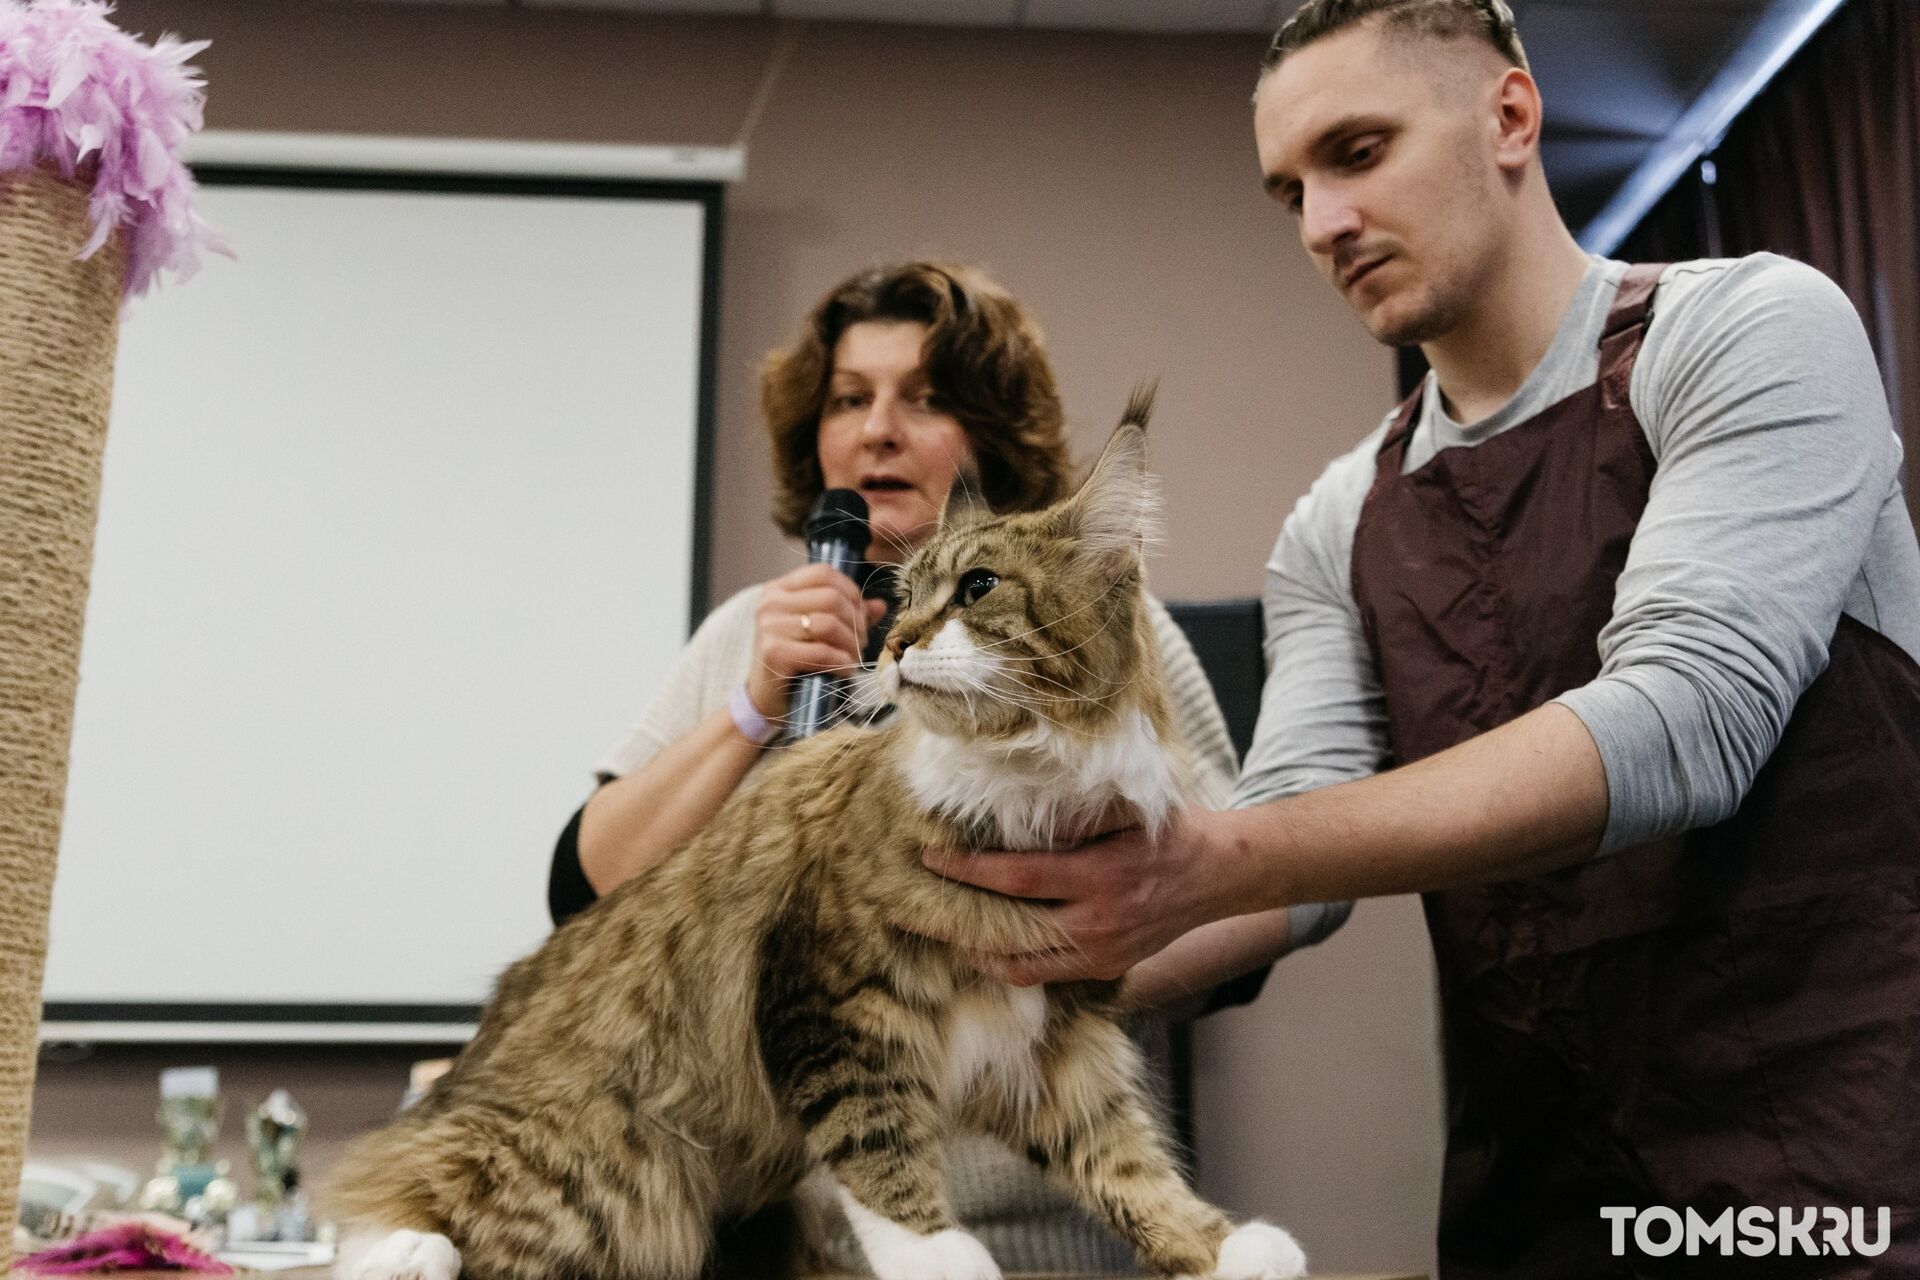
(81, 95)
(133, 1245)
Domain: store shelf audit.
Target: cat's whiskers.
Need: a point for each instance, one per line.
(895, 541)
(866, 697)
(852, 706)
(1066, 653)
(1029, 689)
(1107, 686)
(1071, 613)
(1050, 776)
(960, 472)
(1006, 698)
(1099, 631)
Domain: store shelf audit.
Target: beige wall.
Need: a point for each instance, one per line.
(1110, 182)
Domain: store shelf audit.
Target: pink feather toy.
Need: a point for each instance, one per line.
(133, 1245)
(95, 104)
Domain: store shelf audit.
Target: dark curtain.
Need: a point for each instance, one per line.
(1824, 166)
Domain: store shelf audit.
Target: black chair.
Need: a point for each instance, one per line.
(1228, 636)
(1229, 639)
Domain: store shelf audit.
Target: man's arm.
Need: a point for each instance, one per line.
(1322, 721)
(1775, 455)
(1323, 714)
(1527, 798)
(1178, 979)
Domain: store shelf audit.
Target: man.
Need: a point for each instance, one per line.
(1607, 638)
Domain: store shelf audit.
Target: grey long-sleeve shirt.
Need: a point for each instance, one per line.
(1775, 506)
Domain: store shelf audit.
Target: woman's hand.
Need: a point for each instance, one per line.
(812, 619)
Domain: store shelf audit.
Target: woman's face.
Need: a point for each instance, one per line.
(881, 435)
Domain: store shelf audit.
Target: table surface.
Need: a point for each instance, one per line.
(321, 1273)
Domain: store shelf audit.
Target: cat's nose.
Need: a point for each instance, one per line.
(896, 643)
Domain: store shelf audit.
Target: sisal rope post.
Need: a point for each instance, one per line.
(95, 202)
(59, 324)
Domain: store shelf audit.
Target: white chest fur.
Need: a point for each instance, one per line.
(992, 1033)
(1047, 782)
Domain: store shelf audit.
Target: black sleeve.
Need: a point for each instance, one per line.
(568, 893)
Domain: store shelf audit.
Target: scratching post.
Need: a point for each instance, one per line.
(93, 202)
(59, 321)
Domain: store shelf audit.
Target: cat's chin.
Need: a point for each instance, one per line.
(952, 714)
(947, 716)
(1039, 784)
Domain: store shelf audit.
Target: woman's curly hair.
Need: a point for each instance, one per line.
(986, 364)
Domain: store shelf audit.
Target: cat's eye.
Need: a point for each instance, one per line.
(974, 584)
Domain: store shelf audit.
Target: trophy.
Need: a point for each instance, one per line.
(188, 1181)
(274, 1130)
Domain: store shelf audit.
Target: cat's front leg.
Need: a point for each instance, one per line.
(877, 1134)
(1094, 1131)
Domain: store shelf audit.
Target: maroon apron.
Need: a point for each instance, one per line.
(1729, 1018)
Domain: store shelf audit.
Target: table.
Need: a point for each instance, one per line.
(325, 1273)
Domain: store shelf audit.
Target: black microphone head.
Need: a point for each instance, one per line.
(838, 515)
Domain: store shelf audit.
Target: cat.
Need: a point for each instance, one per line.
(770, 1012)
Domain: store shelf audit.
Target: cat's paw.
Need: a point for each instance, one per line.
(398, 1255)
(944, 1255)
(1259, 1251)
(896, 1253)
(964, 1258)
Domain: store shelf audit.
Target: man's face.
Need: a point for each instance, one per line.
(1383, 155)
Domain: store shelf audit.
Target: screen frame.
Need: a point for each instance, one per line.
(250, 1022)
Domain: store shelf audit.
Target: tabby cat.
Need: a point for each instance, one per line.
(768, 1012)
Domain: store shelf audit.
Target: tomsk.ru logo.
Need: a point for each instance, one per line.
(1757, 1232)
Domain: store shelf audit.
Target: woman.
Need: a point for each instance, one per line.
(901, 378)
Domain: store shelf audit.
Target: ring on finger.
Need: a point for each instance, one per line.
(806, 625)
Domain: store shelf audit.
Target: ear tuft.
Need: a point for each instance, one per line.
(1140, 404)
(1114, 513)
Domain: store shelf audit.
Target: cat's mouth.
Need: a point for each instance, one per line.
(932, 675)
(902, 681)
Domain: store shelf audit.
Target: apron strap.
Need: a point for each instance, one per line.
(1393, 444)
(1626, 326)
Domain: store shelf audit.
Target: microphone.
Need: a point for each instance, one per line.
(837, 535)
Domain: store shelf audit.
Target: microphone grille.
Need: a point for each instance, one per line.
(837, 514)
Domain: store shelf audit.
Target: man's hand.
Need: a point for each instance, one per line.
(1522, 800)
(1119, 898)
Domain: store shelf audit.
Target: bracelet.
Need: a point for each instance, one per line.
(753, 726)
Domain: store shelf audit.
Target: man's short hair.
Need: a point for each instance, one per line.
(1489, 21)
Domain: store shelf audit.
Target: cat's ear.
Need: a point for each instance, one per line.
(1113, 514)
(966, 502)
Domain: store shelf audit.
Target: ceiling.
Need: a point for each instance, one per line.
(1635, 89)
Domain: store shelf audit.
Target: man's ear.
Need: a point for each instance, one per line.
(1518, 120)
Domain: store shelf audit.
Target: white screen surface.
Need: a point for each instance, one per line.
(397, 527)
